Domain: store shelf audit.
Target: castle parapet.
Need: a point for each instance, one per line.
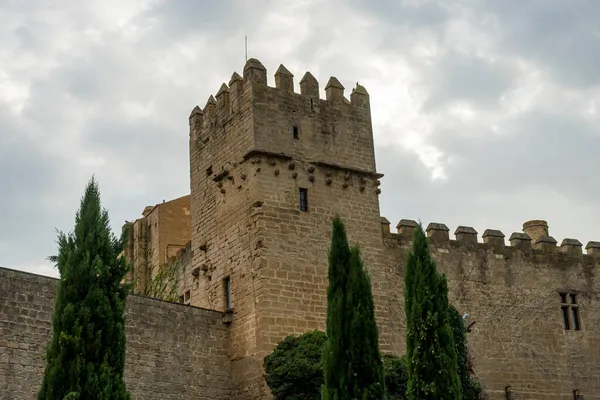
(536, 229)
(546, 243)
(406, 227)
(593, 248)
(309, 86)
(520, 240)
(223, 97)
(571, 246)
(334, 90)
(284, 79)
(385, 225)
(236, 83)
(438, 232)
(494, 238)
(359, 96)
(255, 72)
(466, 234)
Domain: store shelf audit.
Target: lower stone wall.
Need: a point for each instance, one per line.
(173, 351)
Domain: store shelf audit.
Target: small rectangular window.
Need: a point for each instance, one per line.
(565, 315)
(187, 296)
(303, 199)
(575, 312)
(227, 292)
(570, 311)
(296, 134)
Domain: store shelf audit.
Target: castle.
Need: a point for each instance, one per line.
(269, 169)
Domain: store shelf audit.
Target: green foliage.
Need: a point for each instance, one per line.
(86, 355)
(431, 352)
(396, 377)
(165, 283)
(472, 389)
(294, 370)
(351, 362)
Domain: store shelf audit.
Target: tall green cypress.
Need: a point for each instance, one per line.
(352, 364)
(335, 356)
(366, 365)
(431, 353)
(86, 356)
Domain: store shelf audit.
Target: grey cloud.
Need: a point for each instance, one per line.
(561, 35)
(460, 77)
(76, 107)
(27, 177)
(190, 17)
(534, 149)
(413, 15)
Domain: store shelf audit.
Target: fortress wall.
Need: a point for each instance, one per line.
(173, 351)
(512, 293)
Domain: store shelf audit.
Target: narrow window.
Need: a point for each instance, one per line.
(296, 135)
(303, 199)
(187, 296)
(227, 289)
(575, 312)
(311, 105)
(569, 307)
(565, 315)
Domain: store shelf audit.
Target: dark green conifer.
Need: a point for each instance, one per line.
(431, 353)
(352, 364)
(86, 356)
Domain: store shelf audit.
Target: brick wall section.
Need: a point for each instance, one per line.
(173, 351)
(513, 296)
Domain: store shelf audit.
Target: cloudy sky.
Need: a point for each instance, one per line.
(486, 113)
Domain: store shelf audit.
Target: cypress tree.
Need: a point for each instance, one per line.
(431, 353)
(366, 365)
(352, 365)
(86, 356)
(335, 371)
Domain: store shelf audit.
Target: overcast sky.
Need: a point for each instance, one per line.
(485, 113)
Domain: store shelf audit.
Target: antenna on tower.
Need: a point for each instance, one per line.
(246, 46)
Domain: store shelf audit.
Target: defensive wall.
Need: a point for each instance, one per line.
(255, 253)
(270, 167)
(173, 351)
(534, 306)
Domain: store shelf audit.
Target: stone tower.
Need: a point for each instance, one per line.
(269, 169)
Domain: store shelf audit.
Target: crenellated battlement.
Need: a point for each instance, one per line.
(256, 74)
(535, 236)
(248, 115)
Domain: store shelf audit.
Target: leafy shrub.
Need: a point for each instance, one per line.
(294, 370)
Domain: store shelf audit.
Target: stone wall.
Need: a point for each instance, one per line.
(222, 224)
(252, 148)
(173, 351)
(156, 239)
(513, 295)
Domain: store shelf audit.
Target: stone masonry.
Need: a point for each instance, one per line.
(174, 352)
(156, 239)
(269, 169)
